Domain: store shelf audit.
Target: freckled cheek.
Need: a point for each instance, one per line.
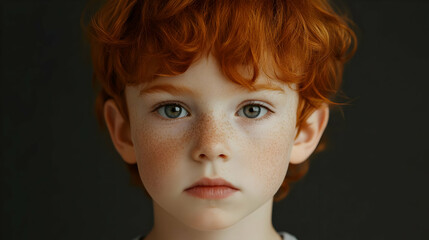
(270, 158)
(157, 157)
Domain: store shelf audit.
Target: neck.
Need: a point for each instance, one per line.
(255, 226)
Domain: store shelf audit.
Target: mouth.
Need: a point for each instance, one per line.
(207, 188)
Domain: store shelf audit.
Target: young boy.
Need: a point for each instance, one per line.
(213, 100)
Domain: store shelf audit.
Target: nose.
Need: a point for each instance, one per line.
(211, 139)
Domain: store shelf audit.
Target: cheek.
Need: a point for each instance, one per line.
(157, 157)
(271, 154)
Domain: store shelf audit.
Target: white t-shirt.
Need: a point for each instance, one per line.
(285, 236)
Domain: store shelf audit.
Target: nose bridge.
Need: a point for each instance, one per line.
(211, 134)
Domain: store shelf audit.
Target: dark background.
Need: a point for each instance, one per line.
(61, 178)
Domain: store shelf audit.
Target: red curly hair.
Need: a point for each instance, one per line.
(133, 41)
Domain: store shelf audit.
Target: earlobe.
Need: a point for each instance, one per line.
(310, 134)
(119, 130)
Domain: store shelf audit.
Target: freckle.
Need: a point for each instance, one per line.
(211, 130)
(269, 149)
(157, 151)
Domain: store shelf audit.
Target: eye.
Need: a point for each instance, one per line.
(253, 110)
(172, 111)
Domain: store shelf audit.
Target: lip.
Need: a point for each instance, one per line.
(206, 188)
(212, 182)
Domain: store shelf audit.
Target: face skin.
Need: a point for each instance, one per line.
(213, 134)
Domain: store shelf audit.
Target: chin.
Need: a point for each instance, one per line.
(211, 220)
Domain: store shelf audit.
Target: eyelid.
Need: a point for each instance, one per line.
(255, 102)
(161, 104)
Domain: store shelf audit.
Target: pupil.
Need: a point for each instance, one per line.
(252, 111)
(173, 111)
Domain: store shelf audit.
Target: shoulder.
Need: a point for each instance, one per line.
(287, 236)
(139, 237)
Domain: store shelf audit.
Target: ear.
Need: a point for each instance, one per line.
(119, 130)
(310, 134)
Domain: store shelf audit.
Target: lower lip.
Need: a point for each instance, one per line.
(217, 192)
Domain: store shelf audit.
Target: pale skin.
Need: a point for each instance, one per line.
(213, 136)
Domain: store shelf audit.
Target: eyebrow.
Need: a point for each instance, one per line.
(180, 90)
(173, 90)
(264, 86)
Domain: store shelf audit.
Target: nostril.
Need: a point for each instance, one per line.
(203, 156)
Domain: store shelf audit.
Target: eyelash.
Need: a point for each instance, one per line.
(180, 104)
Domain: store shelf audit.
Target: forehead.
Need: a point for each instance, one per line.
(182, 90)
(206, 74)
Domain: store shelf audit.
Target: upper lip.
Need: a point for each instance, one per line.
(212, 182)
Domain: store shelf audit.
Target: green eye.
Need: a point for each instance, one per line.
(172, 111)
(253, 110)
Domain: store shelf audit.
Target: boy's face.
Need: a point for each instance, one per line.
(214, 130)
